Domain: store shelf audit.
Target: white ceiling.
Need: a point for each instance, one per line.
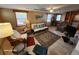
(58, 8)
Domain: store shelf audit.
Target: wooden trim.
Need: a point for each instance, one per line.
(16, 10)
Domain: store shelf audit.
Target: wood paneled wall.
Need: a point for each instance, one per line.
(8, 15)
(70, 16)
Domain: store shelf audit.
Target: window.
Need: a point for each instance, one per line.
(21, 17)
(49, 17)
(58, 18)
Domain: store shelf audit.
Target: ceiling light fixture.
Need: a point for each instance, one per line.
(50, 10)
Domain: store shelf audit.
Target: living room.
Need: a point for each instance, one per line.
(39, 29)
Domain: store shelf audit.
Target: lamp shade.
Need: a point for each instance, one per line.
(5, 30)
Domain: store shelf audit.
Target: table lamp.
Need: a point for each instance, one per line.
(27, 22)
(5, 31)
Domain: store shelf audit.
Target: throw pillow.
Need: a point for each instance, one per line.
(40, 50)
(30, 41)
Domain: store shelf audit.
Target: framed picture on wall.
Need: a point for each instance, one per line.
(39, 16)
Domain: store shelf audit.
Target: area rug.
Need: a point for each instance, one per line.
(46, 38)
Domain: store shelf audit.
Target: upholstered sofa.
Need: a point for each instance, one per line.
(38, 27)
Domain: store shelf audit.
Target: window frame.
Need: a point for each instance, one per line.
(60, 18)
(51, 17)
(14, 10)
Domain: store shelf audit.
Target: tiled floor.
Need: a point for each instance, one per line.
(59, 47)
(53, 30)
